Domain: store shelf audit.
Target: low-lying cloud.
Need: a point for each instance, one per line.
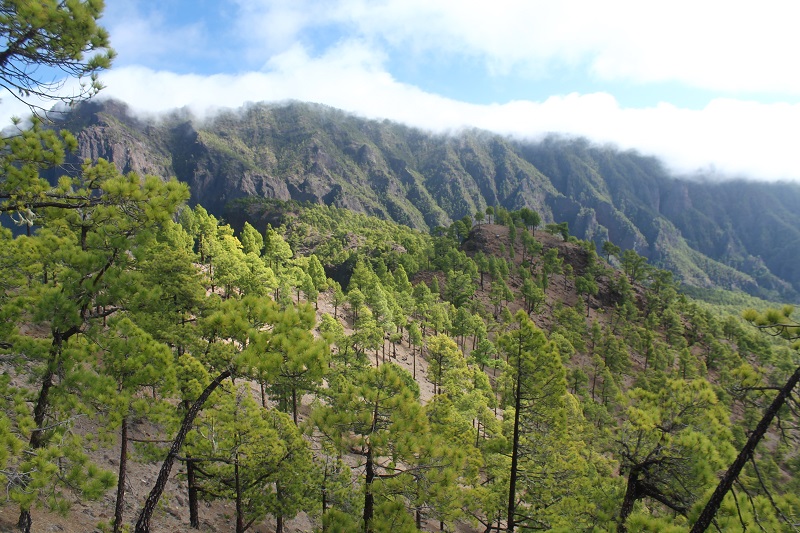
(731, 137)
(274, 55)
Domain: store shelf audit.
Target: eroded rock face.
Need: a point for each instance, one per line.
(315, 154)
(128, 153)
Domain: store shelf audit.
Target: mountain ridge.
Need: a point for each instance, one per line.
(733, 234)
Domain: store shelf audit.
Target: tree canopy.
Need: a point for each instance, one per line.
(49, 44)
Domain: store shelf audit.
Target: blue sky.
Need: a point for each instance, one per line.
(711, 86)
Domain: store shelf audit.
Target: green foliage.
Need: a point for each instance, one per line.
(290, 361)
(672, 444)
(252, 241)
(777, 322)
(377, 416)
(127, 304)
(634, 265)
(86, 254)
(254, 457)
(56, 35)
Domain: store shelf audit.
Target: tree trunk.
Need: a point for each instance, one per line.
(191, 481)
(123, 463)
(279, 513)
(725, 484)
(24, 522)
(238, 484)
(143, 524)
(294, 405)
(40, 411)
(325, 491)
(369, 499)
(512, 484)
(631, 495)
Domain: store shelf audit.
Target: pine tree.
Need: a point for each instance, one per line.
(378, 417)
(291, 361)
(252, 241)
(536, 399)
(443, 355)
(671, 445)
(131, 361)
(253, 457)
(88, 277)
(277, 251)
(44, 43)
(778, 323)
(233, 336)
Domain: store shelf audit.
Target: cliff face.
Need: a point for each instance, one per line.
(732, 234)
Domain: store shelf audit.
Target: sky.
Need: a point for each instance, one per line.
(710, 86)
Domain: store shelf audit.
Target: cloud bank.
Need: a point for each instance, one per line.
(350, 54)
(731, 137)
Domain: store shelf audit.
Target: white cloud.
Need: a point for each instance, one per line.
(708, 44)
(148, 36)
(275, 26)
(733, 136)
(714, 44)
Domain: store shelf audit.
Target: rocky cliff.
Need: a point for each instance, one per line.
(734, 234)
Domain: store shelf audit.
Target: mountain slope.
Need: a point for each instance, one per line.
(734, 234)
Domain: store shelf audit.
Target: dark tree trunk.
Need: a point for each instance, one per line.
(369, 499)
(37, 437)
(512, 484)
(40, 411)
(123, 464)
(279, 514)
(191, 481)
(725, 484)
(143, 524)
(294, 405)
(631, 495)
(239, 510)
(325, 491)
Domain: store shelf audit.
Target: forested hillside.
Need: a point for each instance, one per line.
(340, 372)
(370, 328)
(733, 234)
